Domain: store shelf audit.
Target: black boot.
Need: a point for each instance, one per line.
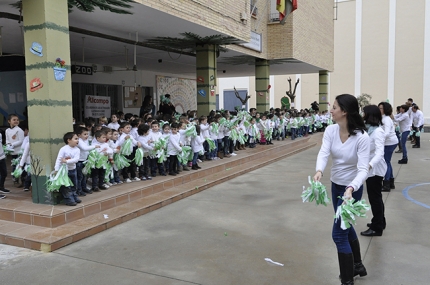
(386, 186)
(359, 268)
(392, 186)
(346, 265)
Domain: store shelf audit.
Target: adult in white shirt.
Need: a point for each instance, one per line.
(417, 124)
(390, 144)
(405, 124)
(377, 169)
(349, 170)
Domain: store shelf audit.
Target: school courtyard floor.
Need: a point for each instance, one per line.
(223, 234)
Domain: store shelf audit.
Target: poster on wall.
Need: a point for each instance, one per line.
(97, 106)
(182, 92)
(13, 97)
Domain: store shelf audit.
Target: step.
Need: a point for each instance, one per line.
(81, 222)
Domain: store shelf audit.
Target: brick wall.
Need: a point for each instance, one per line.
(223, 16)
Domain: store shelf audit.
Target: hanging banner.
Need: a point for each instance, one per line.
(97, 106)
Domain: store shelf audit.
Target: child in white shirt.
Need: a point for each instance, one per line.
(173, 149)
(69, 154)
(147, 146)
(197, 147)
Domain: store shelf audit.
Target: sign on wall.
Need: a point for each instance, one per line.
(97, 106)
(255, 43)
(182, 92)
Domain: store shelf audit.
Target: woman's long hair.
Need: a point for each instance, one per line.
(349, 104)
(388, 109)
(372, 115)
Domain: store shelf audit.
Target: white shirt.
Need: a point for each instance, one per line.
(389, 130)
(404, 121)
(114, 126)
(350, 160)
(377, 162)
(197, 143)
(85, 149)
(173, 147)
(417, 118)
(72, 153)
(15, 137)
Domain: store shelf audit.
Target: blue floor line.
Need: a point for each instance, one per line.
(405, 193)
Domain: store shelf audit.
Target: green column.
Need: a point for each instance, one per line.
(323, 90)
(46, 23)
(262, 82)
(206, 78)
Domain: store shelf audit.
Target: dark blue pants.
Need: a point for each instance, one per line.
(388, 154)
(69, 193)
(3, 172)
(341, 237)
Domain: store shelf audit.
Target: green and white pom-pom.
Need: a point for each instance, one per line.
(93, 158)
(211, 144)
(234, 135)
(138, 158)
(241, 138)
(184, 155)
(215, 128)
(222, 121)
(190, 131)
(162, 156)
(27, 168)
(177, 116)
(120, 161)
(7, 149)
(102, 162)
(417, 134)
(54, 183)
(397, 128)
(316, 191)
(268, 133)
(348, 211)
(17, 172)
(16, 161)
(108, 173)
(411, 133)
(127, 147)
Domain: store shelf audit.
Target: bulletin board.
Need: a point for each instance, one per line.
(183, 92)
(132, 97)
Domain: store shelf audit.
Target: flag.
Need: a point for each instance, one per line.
(285, 7)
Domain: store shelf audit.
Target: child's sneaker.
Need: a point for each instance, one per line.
(2, 196)
(143, 178)
(233, 154)
(127, 180)
(106, 185)
(149, 178)
(135, 179)
(119, 182)
(95, 189)
(103, 187)
(198, 160)
(113, 183)
(4, 190)
(26, 189)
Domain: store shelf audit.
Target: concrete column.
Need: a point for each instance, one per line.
(206, 78)
(46, 33)
(323, 90)
(262, 81)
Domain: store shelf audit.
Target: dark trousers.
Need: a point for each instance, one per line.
(417, 138)
(82, 180)
(154, 165)
(173, 167)
(97, 176)
(131, 168)
(3, 172)
(342, 238)
(144, 168)
(388, 154)
(374, 187)
(226, 144)
(69, 193)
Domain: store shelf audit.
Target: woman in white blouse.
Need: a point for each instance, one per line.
(405, 124)
(377, 169)
(390, 144)
(348, 145)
